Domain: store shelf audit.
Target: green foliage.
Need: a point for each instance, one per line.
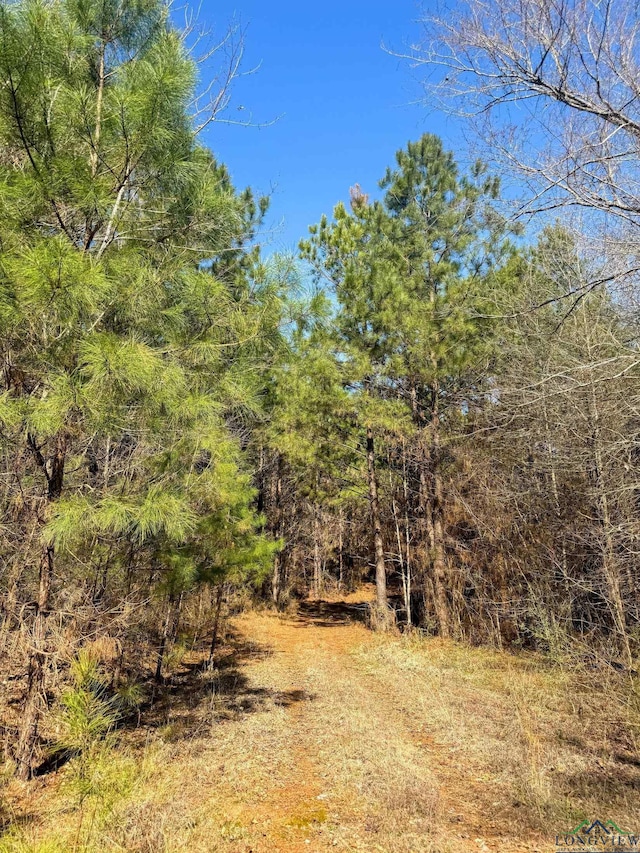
(136, 327)
(87, 712)
(134, 317)
(17, 841)
(96, 779)
(413, 275)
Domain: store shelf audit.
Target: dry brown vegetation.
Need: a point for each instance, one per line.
(313, 733)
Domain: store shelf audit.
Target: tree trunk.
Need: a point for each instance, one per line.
(35, 700)
(317, 562)
(610, 570)
(340, 549)
(382, 602)
(405, 564)
(169, 631)
(278, 578)
(556, 496)
(436, 524)
(216, 623)
(431, 508)
(163, 642)
(443, 611)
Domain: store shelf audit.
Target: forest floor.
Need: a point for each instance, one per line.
(315, 734)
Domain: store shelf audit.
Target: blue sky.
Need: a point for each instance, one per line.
(343, 105)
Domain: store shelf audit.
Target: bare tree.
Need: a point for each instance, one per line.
(556, 83)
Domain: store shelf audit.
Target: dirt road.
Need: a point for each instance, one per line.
(315, 734)
(335, 749)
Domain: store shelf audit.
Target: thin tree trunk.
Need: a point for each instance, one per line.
(406, 582)
(609, 568)
(556, 496)
(443, 611)
(317, 562)
(169, 631)
(340, 548)
(405, 564)
(35, 698)
(431, 538)
(277, 581)
(407, 535)
(382, 602)
(216, 623)
(163, 641)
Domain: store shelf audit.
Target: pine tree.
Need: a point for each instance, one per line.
(128, 327)
(409, 273)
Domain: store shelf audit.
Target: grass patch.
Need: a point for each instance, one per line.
(547, 742)
(307, 817)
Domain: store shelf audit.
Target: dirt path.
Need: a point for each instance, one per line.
(347, 758)
(315, 734)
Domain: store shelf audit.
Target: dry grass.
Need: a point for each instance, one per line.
(318, 735)
(544, 744)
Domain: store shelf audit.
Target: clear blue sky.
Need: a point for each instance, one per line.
(344, 105)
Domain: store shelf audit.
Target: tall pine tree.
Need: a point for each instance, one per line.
(128, 329)
(410, 273)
